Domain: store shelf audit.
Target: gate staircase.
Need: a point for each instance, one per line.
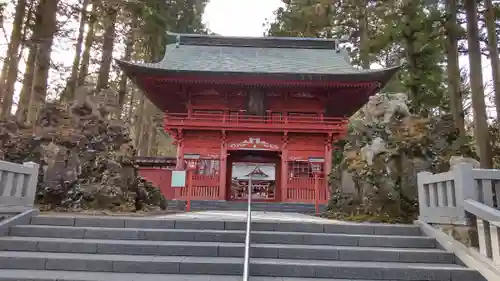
(76, 248)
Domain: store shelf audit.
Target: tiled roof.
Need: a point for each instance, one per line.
(266, 55)
(251, 59)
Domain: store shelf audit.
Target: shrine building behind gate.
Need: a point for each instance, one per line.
(273, 103)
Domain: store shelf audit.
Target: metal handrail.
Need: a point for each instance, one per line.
(246, 261)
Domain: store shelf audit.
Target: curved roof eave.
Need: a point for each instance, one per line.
(382, 76)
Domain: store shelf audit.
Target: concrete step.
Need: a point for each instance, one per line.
(233, 266)
(170, 223)
(206, 205)
(50, 275)
(214, 249)
(223, 236)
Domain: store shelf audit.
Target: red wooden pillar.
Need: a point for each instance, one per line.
(223, 168)
(328, 164)
(179, 141)
(284, 169)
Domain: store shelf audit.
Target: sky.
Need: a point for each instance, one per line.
(239, 17)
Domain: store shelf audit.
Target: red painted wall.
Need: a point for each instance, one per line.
(205, 143)
(160, 178)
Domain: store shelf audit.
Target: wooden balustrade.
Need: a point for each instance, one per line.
(204, 187)
(301, 190)
(241, 121)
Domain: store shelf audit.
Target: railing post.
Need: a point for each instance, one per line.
(423, 195)
(189, 189)
(465, 188)
(32, 183)
(316, 194)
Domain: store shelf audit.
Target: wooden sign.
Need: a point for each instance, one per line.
(178, 179)
(316, 164)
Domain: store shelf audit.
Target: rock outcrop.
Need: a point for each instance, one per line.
(382, 154)
(86, 159)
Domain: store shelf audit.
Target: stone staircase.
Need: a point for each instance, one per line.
(116, 248)
(207, 205)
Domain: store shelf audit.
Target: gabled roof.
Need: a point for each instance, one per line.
(276, 57)
(257, 172)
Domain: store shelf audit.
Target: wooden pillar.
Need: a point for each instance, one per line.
(328, 164)
(179, 141)
(223, 168)
(284, 168)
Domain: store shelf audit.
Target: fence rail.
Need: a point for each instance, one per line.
(442, 196)
(18, 184)
(488, 229)
(463, 196)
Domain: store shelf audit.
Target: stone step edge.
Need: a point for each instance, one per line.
(225, 236)
(218, 244)
(19, 255)
(120, 220)
(233, 266)
(224, 231)
(52, 275)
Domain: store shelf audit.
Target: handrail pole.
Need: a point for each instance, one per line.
(246, 262)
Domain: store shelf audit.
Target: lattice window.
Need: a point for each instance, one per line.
(300, 169)
(208, 167)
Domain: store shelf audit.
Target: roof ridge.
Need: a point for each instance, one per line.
(258, 42)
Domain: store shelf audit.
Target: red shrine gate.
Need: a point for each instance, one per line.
(291, 177)
(277, 102)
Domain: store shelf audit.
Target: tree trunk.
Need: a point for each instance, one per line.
(129, 45)
(24, 96)
(410, 53)
(107, 48)
(493, 49)
(453, 68)
(131, 106)
(44, 35)
(69, 93)
(364, 41)
(11, 63)
(139, 124)
(89, 40)
(476, 84)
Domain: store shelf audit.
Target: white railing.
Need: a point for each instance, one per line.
(452, 197)
(488, 229)
(442, 196)
(17, 186)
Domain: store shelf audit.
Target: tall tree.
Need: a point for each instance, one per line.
(44, 32)
(493, 50)
(11, 63)
(364, 44)
(452, 67)
(73, 78)
(476, 81)
(109, 13)
(127, 56)
(87, 45)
